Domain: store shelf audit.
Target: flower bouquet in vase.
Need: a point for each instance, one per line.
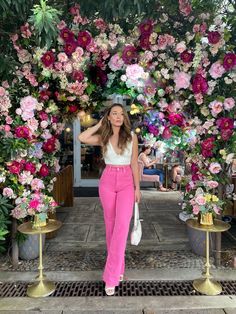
(36, 206)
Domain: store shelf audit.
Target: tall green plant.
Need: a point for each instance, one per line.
(45, 20)
(5, 208)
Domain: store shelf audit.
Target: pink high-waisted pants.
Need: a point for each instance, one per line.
(116, 192)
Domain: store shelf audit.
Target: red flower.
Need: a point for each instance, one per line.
(49, 146)
(44, 95)
(229, 61)
(48, 58)
(194, 168)
(199, 84)
(186, 56)
(176, 119)
(144, 42)
(98, 76)
(225, 123)
(207, 153)
(166, 133)
(78, 75)
(29, 166)
(214, 37)
(70, 47)
(208, 144)
(67, 35)
(72, 108)
(55, 119)
(22, 132)
(44, 170)
(14, 167)
(129, 54)
(146, 27)
(84, 39)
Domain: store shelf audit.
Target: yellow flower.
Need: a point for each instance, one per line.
(134, 109)
(222, 152)
(207, 197)
(215, 198)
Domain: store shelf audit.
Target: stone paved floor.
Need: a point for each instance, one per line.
(80, 243)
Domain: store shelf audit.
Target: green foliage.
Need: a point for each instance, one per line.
(5, 208)
(45, 20)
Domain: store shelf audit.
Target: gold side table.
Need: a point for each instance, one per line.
(43, 287)
(207, 285)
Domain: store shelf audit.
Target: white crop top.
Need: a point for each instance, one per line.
(112, 158)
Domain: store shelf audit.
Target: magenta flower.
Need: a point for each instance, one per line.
(14, 167)
(214, 37)
(225, 123)
(44, 170)
(153, 129)
(229, 61)
(98, 76)
(78, 75)
(176, 119)
(145, 42)
(166, 134)
(129, 54)
(22, 132)
(208, 144)
(29, 166)
(67, 35)
(146, 27)
(187, 56)
(34, 204)
(84, 39)
(194, 168)
(49, 146)
(48, 58)
(199, 84)
(70, 47)
(226, 134)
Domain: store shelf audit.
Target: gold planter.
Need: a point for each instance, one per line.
(206, 219)
(38, 222)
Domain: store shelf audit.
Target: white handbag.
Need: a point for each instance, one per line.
(136, 232)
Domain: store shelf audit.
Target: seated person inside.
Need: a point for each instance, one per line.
(148, 166)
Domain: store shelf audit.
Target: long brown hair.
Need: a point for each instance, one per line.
(105, 131)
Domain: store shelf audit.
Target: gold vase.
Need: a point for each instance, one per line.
(38, 222)
(206, 219)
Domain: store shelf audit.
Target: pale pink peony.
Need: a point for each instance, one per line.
(215, 167)
(180, 47)
(116, 62)
(2, 91)
(62, 57)
(28, 104)
(216, 107)
(182, 80)
(37, 184)
(216, 70)
(229, 103)
(8, 192)
(134, 71)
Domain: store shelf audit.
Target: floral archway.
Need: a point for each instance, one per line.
(181, 85)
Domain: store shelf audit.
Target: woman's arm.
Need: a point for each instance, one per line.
(88, 136)
(146, 161)
(135, 169)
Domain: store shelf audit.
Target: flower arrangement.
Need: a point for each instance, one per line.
(181, 86)
(34, 204)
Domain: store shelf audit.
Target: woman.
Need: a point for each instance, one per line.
(118, 186)
(148, 166)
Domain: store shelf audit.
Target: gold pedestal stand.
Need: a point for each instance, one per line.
(43, 287)
(207, 285)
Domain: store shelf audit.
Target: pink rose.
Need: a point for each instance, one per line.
(116, 62)
(229, 103)
(166, 133)
(134, 71)
(215, 167)
(182, 80)
(2, 91)
(200, 200)
(180, 47)
(216, 107)
(62, 57)
(196, 209)
(216, 70)
(212, 184)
